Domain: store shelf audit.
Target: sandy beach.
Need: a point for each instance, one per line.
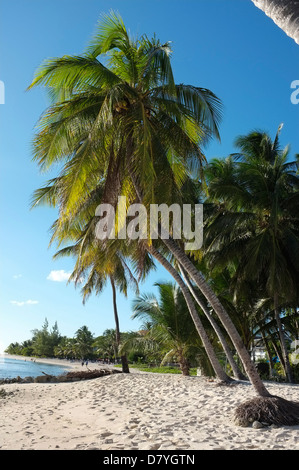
(136, 411)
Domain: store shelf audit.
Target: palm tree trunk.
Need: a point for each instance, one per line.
(267, 346)
(184, 364)
(124, 361)
(277, 350)
(284, 13)
(193, 312)
(284, 349)
(204, 287)
(236, 371)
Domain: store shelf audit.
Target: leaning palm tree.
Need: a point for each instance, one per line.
(107, 261)
(284, 13)
(152, 122)
(204, 308)
(130, 126)
(221, 375)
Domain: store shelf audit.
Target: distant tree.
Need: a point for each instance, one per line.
(107, 344)
(84, 342)
(44, 341)
(27, 348)
(14, 348)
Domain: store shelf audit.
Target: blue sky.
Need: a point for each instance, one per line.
(228, 46)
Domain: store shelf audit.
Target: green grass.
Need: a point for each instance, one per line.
(159, 370)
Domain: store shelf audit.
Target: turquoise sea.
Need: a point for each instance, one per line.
(11, 368)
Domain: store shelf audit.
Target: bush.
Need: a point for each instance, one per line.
(135, 356)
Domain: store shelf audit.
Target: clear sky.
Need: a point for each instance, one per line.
(228, 46)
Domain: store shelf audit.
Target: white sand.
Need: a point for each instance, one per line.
(136, 411)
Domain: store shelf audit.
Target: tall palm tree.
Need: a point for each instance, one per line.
(93, 269)
(169, 121)
(123, 123)
(256, 224)
(129, 125)
(284, 13)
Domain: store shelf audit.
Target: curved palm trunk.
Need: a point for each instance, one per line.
(193, 312)
(284, 13)
(236, 371)
(206, 290)
(124, 361)
(284, 350)
(204, 287)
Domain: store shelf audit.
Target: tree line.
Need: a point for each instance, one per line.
(49, 343)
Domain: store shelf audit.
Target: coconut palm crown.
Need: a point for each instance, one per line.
(126, 123)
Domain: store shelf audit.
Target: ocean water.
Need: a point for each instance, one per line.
(11, 368)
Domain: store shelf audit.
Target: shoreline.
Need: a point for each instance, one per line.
(68, 363)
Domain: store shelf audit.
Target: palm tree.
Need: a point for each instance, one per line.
(171, 324)
(130, 126)
(284, 13)
(121, 123)
(93, 269)
(107, 345)
(83, 345)
(169, 120)
(258, 205)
